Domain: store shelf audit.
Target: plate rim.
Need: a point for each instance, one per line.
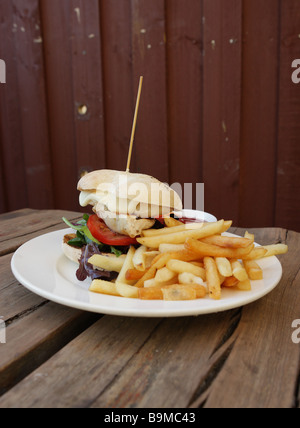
(160, 311)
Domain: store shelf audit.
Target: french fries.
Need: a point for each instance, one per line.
(185, 262)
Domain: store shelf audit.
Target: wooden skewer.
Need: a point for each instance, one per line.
(134, 123)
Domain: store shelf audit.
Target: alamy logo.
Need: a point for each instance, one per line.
(2, 331)
(2, 71)
(296, 73)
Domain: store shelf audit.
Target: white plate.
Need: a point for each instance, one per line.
(42, 268)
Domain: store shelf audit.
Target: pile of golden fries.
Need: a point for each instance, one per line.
(185, 262)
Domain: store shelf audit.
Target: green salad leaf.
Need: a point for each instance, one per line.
(84, 236)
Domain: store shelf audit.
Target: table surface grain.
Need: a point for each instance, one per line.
(55, 356)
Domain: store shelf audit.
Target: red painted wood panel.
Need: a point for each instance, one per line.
(74, 77)
(119, 96)
(185, 94)
(149, 60)
(288, 155)
(259, 112)
(221, 106)
(24, 130)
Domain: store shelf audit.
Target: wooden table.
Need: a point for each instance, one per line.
(55, 356)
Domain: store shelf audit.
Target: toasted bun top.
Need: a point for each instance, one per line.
(127, 193)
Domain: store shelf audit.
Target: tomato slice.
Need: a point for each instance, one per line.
(102, 233)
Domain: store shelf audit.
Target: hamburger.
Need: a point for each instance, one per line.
(123, 204)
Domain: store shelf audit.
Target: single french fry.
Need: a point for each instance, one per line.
(189, 278)
(150, 293)
(224, 266)
(150, 274)
(238, 271)
(230, 282)
(150, 283)
(256, 254)
(254, 271)
(172, 222)
(227, 225)
(275, 250)
(207, 229)
(212, 278)
(134, 275)
(149, 256)
(128, 264)
(138, 259)
(209, 250)
(227, 241)
(110, 262)
(164, 275)
(245, 285)
(104, 287)
(179, 292)
(179, 266)
(180, 227)
(165, 231)
(201, 290)
(249, 236)
(167, 248)
(126, 290)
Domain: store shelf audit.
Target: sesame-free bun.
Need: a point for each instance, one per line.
(72, 253)
(127, 193)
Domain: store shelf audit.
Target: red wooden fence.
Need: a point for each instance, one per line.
(218, 104)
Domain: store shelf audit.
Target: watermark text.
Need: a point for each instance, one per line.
(2, 331)
(2, 71)
(296, 332)
(296, 73)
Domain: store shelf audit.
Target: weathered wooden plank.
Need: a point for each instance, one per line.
(149, 60)
(263, 366)
(95, 358)
(259, 111)
(34, 337)
(222, 100)
(184, 59)
(167, 371)
(288, 154)
(15, 214)
(14, 299)
(23, 228)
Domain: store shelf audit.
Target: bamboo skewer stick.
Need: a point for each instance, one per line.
(134, 123)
